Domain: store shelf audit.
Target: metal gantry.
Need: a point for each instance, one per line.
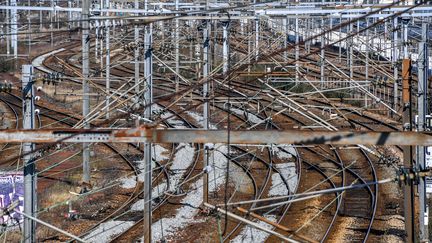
(364, 39)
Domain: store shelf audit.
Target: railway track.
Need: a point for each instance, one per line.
(68, 120)
(371, 200)
(348, 175)
(5, 116)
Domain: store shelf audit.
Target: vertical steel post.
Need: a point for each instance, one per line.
(51, 25)
(297, 50)
(249, 39)
(96, 48)
(340, 37)
(177, 48)
(405, 36)
(29, 30)
(107, 67)
(8, 37)
(69, 15)
(85, 86)
(241, 26)
(422, 110)
(56, 19)
(206, 107)
(286, 35)
(407, 150)
(40, 19)
(322, 54)
(395, 66)
(367, 61)
(351, 52)
(350, 59)
(102, 49)
(30, 202)
(148, 97)
(136, 62)
(257, 22)
(14, 28)
(225, 47)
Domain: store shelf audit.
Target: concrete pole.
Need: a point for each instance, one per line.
(422, 110)
(225, 47)
(206, 107)
(30, 202)
(395, 66)
(85, 86)
(148, 96)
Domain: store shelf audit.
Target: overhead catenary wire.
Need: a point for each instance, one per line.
(308, 195)
(229, 79)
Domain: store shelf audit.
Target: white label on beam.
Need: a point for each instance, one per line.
(428, 157)
(428, 184)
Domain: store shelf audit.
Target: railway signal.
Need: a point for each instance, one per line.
(53, 78)
(5, 87)
(132, 46)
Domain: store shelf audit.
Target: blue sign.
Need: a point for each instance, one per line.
(11, 190)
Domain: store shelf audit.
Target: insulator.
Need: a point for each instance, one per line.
(37, 111)
(39, 88)
(37, 97)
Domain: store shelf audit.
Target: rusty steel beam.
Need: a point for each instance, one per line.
(407, 150)
(154, 135)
